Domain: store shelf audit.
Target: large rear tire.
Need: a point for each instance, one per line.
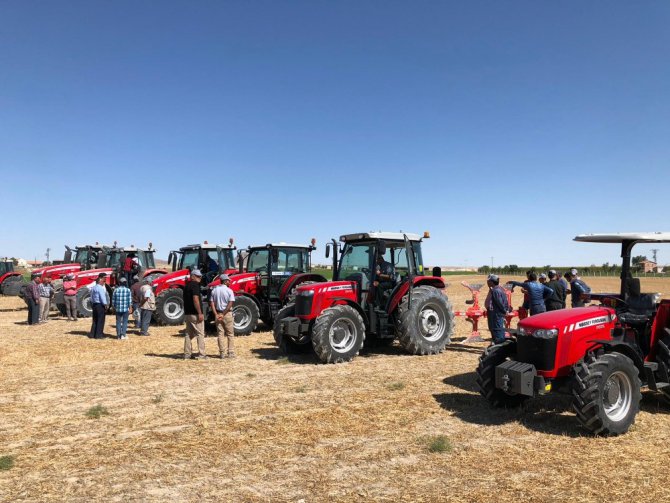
(486, 375)
(338, 334)
(287, 344)
(606, 393)
(84, 307)
(245, 315)
(663, 359)
(12, 285)
(425, 327)
(170, 307)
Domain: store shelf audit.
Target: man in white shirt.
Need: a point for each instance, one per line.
(221, 301)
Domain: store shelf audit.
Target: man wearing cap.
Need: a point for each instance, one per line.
(496, 308)
(135, 293)
(46, 294)
(221, 301)
(557, 299)
(194, 317)
(121, 299)
(147, 306)
(70, 297)
(577, 288)
(99, 303)
(537, 293)
(32, 298)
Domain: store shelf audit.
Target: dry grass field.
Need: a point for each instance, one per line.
(386, 427)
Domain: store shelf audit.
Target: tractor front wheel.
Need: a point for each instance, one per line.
(12, 285)
(606, 393)
(286, 343)
(426, 326)
(338, 334)
(494, 356)
(170, 307)
(245, 315)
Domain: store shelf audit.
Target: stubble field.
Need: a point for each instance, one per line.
(264, 428)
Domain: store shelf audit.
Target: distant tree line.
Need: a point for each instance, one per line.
(605, 268)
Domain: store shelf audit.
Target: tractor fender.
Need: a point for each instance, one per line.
(620, 346)
(9, 275)
(296, 279)
(401, 290)
(343, 300)
(154, 271)
(250, 296)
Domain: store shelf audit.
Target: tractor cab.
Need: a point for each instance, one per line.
(88, 256)
(145, 262)
(6, 266)
(211, 259)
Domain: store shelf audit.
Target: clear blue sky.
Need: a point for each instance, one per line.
(504, 128)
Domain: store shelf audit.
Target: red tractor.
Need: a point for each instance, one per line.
(267, 279)
(602, 355)
(169, 288)
(109, 261)
(10, 280)
(379, 291)
(85, 257)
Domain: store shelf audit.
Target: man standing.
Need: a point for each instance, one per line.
(121, 301)
(537, 292)
(99, 303)
(577, 288)
(147, 306)
(193, 314)
(497, 308)
(33, 299)
(557, 300)
(46, 292)
(70, 296)
(221, 301)
(135, 292)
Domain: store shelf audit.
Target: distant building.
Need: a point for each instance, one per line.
(648, 266)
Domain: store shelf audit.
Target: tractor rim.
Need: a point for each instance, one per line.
(617, 395)
(342, 335)
(431, 324)
(86, 303)
(173, 309)
(241, 317)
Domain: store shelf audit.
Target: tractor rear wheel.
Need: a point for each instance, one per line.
(426, 326)
(83, 300)
(338, 334)
(288, 344)
(663, 359)
(12, 285)
(493, 356)
(170, 307)
(606, 393)
(245, 315)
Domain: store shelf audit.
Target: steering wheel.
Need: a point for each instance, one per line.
(262, 268)
(365, 270)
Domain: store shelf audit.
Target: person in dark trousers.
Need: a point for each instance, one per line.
(33, 299)
(99, 303)
(496, 308)
(577, 288)
(557, 300)
(135, 294)
(383, 280)
(537, 292)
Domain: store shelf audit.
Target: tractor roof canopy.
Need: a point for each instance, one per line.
(386, 236)
(280, 245)
(620, 237)
(207, 246)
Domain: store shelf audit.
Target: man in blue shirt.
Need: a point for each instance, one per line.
(121, 299)
(537, 293)
(577, 289)
(496, 308)
(99, 303)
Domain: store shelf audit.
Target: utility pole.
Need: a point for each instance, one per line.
(654, 251)
(47, 254)
(491, 262)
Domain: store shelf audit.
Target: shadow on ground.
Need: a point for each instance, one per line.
(272, 352)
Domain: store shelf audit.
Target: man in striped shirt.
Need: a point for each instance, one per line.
(46, 293)
(121, 300)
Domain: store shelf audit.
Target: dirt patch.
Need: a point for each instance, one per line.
(254, 429)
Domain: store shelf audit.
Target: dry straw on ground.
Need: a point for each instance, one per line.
(254, 429)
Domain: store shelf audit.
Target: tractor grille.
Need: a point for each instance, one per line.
(303, 305)
(539, 352)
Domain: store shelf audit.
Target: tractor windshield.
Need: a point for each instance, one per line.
(226, 259)
(258, 260)
(356, 259)
(289, 260)
(189, 259)
(3, 268)
(113, 259)
(86, 256)
(146, 259)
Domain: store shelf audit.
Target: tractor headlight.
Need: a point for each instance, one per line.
(306, 293)
(656, 298)
(545, 334)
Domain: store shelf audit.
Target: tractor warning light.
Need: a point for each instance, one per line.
(313, 241)
(426, 234)
(231, 241)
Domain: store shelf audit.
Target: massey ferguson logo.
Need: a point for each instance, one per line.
(587, 323)
(339, 287)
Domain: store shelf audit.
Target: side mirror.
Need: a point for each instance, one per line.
(382, 248)
(437, 272)
(327, 250)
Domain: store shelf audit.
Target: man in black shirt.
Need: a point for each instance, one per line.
(557, 299)
(193, 314)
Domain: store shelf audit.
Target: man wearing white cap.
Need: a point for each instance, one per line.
(221, 301)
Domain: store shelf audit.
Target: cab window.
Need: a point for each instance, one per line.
(258, 261)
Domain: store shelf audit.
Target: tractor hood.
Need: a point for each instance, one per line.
(171, 277)
(569, 320)
(328, 286)
(236, 278)
(57, 271)
(84, 277)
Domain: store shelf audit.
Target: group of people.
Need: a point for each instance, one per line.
(38, 295)
(221, 302)
(548, 292)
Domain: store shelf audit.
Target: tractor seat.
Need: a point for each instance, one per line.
(640, 310)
